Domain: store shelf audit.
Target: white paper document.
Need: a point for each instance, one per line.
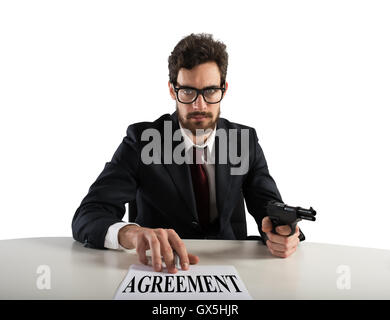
(197, 283)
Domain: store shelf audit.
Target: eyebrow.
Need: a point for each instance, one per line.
(208, 87)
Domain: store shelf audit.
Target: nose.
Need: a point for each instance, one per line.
(199, 103)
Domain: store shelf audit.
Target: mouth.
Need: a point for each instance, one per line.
(198, 118)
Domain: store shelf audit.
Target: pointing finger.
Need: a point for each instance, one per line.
(283, 230)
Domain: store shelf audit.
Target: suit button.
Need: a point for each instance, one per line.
(195, 224)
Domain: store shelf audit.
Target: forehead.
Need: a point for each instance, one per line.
(200, 76)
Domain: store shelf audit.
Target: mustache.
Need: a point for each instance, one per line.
(195, 114)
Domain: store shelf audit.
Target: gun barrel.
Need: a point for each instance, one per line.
(306, 214)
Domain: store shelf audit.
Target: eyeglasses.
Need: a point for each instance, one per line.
(188, 95)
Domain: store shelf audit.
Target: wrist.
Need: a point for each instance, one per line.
(125, 236)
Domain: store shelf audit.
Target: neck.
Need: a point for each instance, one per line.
(201, 139)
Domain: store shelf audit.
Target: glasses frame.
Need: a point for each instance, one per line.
(198, 91)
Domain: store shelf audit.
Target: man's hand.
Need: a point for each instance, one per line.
(281, 244)
(162, 242)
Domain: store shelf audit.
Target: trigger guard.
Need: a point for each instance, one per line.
(293, 227)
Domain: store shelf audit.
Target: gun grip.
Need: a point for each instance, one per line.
(292, 227)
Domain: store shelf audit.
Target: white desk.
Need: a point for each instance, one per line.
(82, 273)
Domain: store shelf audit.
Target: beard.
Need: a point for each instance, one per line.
(207, 123)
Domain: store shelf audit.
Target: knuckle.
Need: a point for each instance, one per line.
(159, 231)
(171, 231)
(149, 233)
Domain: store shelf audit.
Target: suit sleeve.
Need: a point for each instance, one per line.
(259, 186)
(104, 205)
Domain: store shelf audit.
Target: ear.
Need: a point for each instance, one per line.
(226, 88)
(171, 91)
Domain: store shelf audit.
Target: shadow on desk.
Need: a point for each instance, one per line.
(218, 252)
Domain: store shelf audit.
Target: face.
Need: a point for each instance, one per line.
(199, 114)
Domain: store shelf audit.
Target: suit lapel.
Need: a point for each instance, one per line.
(180, 173)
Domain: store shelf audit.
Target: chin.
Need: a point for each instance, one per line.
(192, 125)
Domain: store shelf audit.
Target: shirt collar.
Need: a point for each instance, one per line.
(209, 143)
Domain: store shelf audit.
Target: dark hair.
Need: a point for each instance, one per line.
(196, 49)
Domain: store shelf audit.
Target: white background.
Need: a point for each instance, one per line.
(312, 77)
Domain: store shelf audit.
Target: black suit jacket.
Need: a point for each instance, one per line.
(161, 195)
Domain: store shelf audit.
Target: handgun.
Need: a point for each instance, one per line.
(282, 214)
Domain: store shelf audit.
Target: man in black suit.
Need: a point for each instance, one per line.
(186, 174)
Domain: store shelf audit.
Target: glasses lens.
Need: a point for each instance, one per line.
(213, 95)
(186, 95)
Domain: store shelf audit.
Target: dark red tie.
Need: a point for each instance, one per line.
(201, 187)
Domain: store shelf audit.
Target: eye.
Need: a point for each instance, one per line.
(187, 91)
(210, 91)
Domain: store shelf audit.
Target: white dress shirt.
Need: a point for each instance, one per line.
(111, 239)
